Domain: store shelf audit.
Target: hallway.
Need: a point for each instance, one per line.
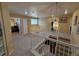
(36, 22)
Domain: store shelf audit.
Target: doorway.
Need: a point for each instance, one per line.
(15, 25)
(52, 26)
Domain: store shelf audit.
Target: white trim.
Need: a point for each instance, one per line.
(57, 41)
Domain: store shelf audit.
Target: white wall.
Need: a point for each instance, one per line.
(25, 26)
(43, 23)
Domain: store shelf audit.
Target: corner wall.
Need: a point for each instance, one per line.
(6, 27)
(75, 36)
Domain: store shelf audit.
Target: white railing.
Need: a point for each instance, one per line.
(61, 49)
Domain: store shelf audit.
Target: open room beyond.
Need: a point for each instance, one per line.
(39, 29)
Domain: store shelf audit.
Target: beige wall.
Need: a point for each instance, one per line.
(7, 29)
(44, 24)
(35, 28)
(64, 27)
(74, 28)
(29, 24)
(25, 30)
(75, 36)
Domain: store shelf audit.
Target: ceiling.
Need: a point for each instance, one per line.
(42, 9)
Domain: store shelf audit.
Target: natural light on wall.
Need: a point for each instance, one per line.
(55, 25)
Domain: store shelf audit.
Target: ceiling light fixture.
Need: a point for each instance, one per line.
(66, 11)
(26, 12)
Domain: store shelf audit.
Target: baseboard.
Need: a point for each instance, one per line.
(11, 52)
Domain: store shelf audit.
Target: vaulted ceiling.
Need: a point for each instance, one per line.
(42, 9)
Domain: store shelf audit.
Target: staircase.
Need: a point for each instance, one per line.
(53, 47)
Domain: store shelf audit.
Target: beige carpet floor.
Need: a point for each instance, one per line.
(24, 43)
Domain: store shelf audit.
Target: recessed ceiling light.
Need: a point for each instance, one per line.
(26, 12)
